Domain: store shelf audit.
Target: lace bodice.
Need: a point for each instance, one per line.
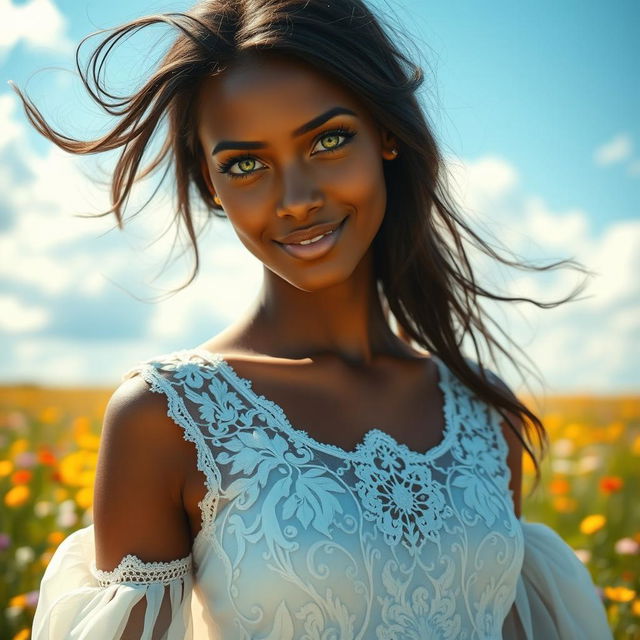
(302, 539)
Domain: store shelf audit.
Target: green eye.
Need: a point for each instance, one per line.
(330, 141)
(247, 164)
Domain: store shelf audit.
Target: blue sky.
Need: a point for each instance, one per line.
(535, 106)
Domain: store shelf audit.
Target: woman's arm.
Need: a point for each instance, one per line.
(138, 505)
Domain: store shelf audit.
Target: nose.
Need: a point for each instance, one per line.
(300, 195)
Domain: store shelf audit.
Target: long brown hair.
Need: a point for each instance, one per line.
(421, 264)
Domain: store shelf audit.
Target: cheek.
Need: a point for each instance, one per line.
(361, 183)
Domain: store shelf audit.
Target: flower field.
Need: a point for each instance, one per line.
(589, 491)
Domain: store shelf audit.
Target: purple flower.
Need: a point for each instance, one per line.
(26, 460)
(5, 541)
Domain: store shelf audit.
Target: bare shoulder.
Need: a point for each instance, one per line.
(139, 479)
(138, 430)
(134, 409)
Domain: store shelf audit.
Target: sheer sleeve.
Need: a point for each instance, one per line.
(555, 596)
(141, 600)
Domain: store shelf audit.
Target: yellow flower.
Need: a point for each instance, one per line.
(619, 594)
(78, 469)
(635, 608)
(6, 467)
(23, 634)
(50, 415)
(553, 421)
(17, 496)
(60, 494)
(84, 497)
(18, 601)
(80, 425)
(615, 430)
(592, 523)
(55, 538)
(88, 441)
(528, 468)
(18, 446)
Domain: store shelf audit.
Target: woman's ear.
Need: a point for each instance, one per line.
(389, 145)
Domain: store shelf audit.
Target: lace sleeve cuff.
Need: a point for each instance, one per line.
(132, 569)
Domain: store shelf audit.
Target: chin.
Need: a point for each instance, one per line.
(317, 278)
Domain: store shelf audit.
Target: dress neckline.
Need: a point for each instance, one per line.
(371, 436)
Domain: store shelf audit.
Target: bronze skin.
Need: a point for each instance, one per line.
(318, 160)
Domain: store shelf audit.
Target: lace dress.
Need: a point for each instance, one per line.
(303, 540)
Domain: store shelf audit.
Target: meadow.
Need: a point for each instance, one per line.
(49, 439)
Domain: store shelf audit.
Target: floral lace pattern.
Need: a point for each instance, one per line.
(132, 569)
(303, 540)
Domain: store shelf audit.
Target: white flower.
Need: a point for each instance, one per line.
(24, 556)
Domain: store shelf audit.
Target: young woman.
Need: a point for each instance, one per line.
(310, 472)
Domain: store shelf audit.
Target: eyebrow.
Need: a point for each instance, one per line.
(316, 122)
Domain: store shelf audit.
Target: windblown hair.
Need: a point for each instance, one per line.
(421, 265)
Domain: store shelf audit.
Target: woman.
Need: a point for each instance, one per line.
(395, 513)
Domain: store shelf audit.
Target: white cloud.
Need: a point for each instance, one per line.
(587, 344)
(615, 150)
(38, 23)
(17, 317)
(10, 129)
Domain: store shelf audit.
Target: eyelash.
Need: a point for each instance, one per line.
(345, 132)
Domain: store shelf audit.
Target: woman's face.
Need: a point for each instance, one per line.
(291, 156)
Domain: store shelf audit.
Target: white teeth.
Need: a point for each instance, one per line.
(314, 239)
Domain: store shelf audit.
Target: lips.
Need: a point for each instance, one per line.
(308, 233)
(318, 248)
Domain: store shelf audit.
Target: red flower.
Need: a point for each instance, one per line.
(21, 476)
(46, 457)
(611, 484)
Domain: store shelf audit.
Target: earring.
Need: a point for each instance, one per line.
(217, 200)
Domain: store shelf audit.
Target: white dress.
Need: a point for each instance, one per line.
(302, 540)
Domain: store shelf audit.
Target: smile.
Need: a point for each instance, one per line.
(314, 248)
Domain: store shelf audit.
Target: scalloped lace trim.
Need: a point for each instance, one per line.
(132, 569)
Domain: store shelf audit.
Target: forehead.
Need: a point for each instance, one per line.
(267, 92)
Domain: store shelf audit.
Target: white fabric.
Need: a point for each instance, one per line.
(555, 598)
(302, 540)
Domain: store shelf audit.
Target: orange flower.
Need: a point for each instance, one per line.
(17, 496)
(619, 594)
(635, 608)
(559, 486)
(21, 476)
(565, 504)
(592, 523)
(55, 538)
(46, 457)
(611, 484)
